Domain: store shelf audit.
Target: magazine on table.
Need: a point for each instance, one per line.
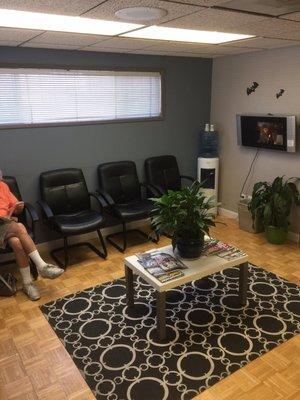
(214, 247)
(162, 266)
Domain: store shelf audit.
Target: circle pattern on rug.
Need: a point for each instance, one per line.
(209, 333)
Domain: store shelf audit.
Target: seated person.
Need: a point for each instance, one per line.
(21, 243)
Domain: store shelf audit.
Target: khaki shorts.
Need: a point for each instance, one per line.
(4, 225)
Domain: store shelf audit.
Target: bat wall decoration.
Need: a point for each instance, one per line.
(280, 93)
(252, 88)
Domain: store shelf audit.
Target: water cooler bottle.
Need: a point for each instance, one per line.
(208, 162)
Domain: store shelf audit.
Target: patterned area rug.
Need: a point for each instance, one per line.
(209, 334)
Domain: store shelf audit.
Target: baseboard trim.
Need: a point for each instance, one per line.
(223, 212)
(46, 247)
(292, 236)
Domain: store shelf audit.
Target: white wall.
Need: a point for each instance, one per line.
(273, 70)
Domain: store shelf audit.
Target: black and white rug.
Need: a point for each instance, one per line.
(209, 334)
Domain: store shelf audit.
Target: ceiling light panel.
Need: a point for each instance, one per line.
(62, 23)
(185, 35)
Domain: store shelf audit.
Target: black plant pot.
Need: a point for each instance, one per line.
(190, 248)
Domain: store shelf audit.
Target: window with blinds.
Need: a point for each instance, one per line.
(48, 96)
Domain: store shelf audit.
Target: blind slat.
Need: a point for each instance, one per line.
(33, 96)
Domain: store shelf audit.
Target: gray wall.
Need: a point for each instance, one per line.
(273, 70)
(25, 153)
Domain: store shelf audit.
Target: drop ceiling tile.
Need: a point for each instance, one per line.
(204, 3)
(274, 28)
(216, 20)
(107, 10)
(63, 38)
(124, 43)
(68, 7)
(181, 47)
(264, 43)
(198, 48)
(292, 17)
(270, 7)
(170, 53)
(50, 46)
(106, 49)
(9, 43)
(17, 35)
(227, 50)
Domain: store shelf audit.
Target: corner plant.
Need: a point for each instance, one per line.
(272, 202)
(184, 214)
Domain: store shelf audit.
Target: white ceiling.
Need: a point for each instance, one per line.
(276, 23)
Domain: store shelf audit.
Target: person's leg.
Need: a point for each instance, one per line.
(46, 270)
(22, 260)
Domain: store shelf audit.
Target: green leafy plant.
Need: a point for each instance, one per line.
(272, 202)
(184, 214)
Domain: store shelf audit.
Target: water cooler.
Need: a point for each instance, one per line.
(208, 161)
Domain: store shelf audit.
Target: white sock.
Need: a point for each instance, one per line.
(26, 276)
(37, 259)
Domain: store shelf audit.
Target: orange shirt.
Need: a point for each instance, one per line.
(7, 199)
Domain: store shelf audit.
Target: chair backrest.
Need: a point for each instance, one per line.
(14, 188)
(163, 171)
(65, 190)
(120, 180)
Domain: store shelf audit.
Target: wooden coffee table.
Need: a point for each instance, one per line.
(197, 269)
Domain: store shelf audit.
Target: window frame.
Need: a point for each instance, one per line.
(160, 117)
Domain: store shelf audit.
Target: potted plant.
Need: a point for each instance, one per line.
(185, 216)
(272, 204)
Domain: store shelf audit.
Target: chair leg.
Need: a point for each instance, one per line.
(104, 254)
(66, 251)
(33, 270)
(124, 234)
(66, 247)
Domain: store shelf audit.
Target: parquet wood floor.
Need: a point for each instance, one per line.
(34, 364)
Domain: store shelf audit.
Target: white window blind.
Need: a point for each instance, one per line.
(42, 96)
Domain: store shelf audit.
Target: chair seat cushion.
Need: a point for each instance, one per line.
(133, 211)
(82, 222)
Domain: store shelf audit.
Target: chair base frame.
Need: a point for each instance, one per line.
(124, 233)
(67, 246)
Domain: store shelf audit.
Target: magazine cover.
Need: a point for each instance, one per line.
(159, 264)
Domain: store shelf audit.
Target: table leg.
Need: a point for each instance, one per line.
(161, 315)
(129, 286)
(243, 281)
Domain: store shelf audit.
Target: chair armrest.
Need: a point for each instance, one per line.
(189, 178)
(33, 216)
(46, 210)
(32, 212)
(153, 189)
(99, 199)
(109, 201)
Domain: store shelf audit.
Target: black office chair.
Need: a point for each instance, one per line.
(29, 211)
(66, 209)
(120, 188)
(162, 173)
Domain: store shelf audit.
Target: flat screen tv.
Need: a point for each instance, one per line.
(276, 132)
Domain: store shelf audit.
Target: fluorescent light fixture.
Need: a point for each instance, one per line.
(185, 35)
(62, 23)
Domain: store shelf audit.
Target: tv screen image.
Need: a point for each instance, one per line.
(269, 132)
